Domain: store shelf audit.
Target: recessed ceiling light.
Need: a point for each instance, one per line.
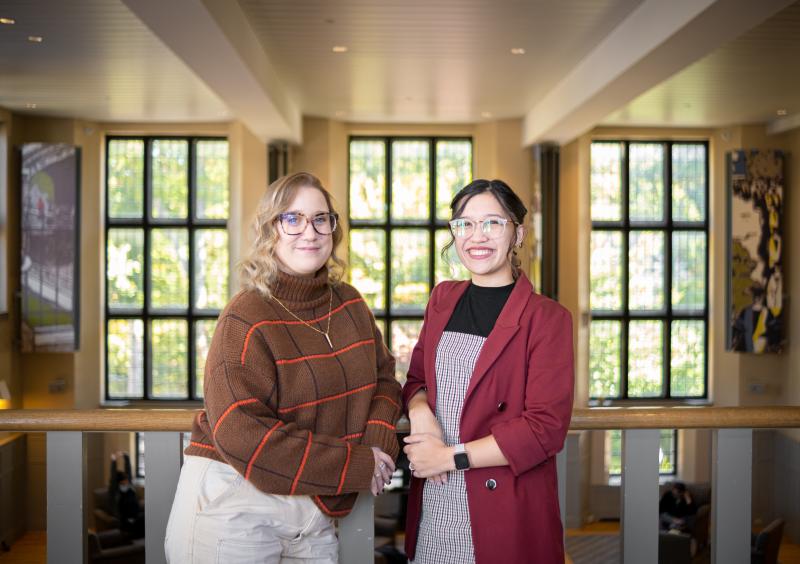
(30, 106)
(35, 38)
(8, 21)
(486, 114)
(782, 112)
(517, 51)
(339, 49)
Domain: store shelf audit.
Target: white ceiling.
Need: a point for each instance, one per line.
(744, 81)
(426, 60)
(96, 61)
(266, 62)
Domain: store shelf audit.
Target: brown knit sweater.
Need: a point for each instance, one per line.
(288, 413)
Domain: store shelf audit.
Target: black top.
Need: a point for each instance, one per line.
(478, 309)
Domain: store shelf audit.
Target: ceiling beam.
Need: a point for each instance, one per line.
(215, 40)
(783, 124)
(655, 41)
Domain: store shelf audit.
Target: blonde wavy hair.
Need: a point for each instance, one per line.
(259, 268)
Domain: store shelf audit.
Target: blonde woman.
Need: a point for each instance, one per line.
(300, 399)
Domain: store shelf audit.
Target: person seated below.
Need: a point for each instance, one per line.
(676, 509)
(122, 498)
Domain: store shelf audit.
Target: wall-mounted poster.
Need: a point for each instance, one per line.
(755, 250)
(50, 246)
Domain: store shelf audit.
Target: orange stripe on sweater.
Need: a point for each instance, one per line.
(328, 398)
(344, 469)
(387, 398)
(292, 322)
(302, 465)
(258, 449)
(384, 423)
(231, 408)
(330, 511)
(353, 436)
(201, 445)
(326, 355)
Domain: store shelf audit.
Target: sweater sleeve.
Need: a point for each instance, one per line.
(384, 411)
(275, 455)
(538, 434)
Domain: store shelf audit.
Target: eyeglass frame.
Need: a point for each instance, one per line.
(505, 221)
(333, 215)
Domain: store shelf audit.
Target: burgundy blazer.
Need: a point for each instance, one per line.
(521, 393)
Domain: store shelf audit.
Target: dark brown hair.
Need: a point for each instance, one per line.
(505, 196)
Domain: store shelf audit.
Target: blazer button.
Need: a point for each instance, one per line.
(501, 406)
(491, 484)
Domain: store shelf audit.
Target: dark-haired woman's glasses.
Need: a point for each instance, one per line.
(492, 227)
(294, 223)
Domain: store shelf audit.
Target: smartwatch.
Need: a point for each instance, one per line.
(460, 457)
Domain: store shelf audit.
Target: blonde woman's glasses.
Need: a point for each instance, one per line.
(294, 223)
(492, 227)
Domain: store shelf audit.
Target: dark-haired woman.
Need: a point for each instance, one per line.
(489, 397)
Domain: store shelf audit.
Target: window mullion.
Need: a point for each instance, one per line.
(146, 280)
(106, 308)
(666, 342)
(388, 243)
(191, 177)
(626, 229)
(432, 148)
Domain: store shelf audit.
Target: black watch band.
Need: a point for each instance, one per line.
(460, 457)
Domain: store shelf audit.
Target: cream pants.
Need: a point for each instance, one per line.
(219, 517)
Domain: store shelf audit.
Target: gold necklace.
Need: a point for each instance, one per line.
(307, 324)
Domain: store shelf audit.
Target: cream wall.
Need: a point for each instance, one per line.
(791, 243)
(573, 253)
(9, 359)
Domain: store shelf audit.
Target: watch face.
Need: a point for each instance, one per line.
(461, 460)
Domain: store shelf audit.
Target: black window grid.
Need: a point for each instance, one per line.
(147, 223)
(666, 315)
(431, 225)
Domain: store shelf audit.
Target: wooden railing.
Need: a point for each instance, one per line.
(731, 474)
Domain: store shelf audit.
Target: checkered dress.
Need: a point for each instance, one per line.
(445, 532)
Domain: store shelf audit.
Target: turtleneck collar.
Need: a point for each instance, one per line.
(302, 292)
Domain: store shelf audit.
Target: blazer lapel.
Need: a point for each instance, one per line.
(504, 330)
(436, 323)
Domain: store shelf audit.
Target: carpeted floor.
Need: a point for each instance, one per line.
(593, 549)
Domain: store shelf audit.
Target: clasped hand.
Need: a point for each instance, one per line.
(428, 456)
(382, 473)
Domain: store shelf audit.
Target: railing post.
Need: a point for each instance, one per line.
(731, 495)
(640, 495)
(162, 469)
(66, 481)
(357, 532)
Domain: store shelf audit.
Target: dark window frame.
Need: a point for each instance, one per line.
(192, 224)
(666, 315)
(431, 225)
